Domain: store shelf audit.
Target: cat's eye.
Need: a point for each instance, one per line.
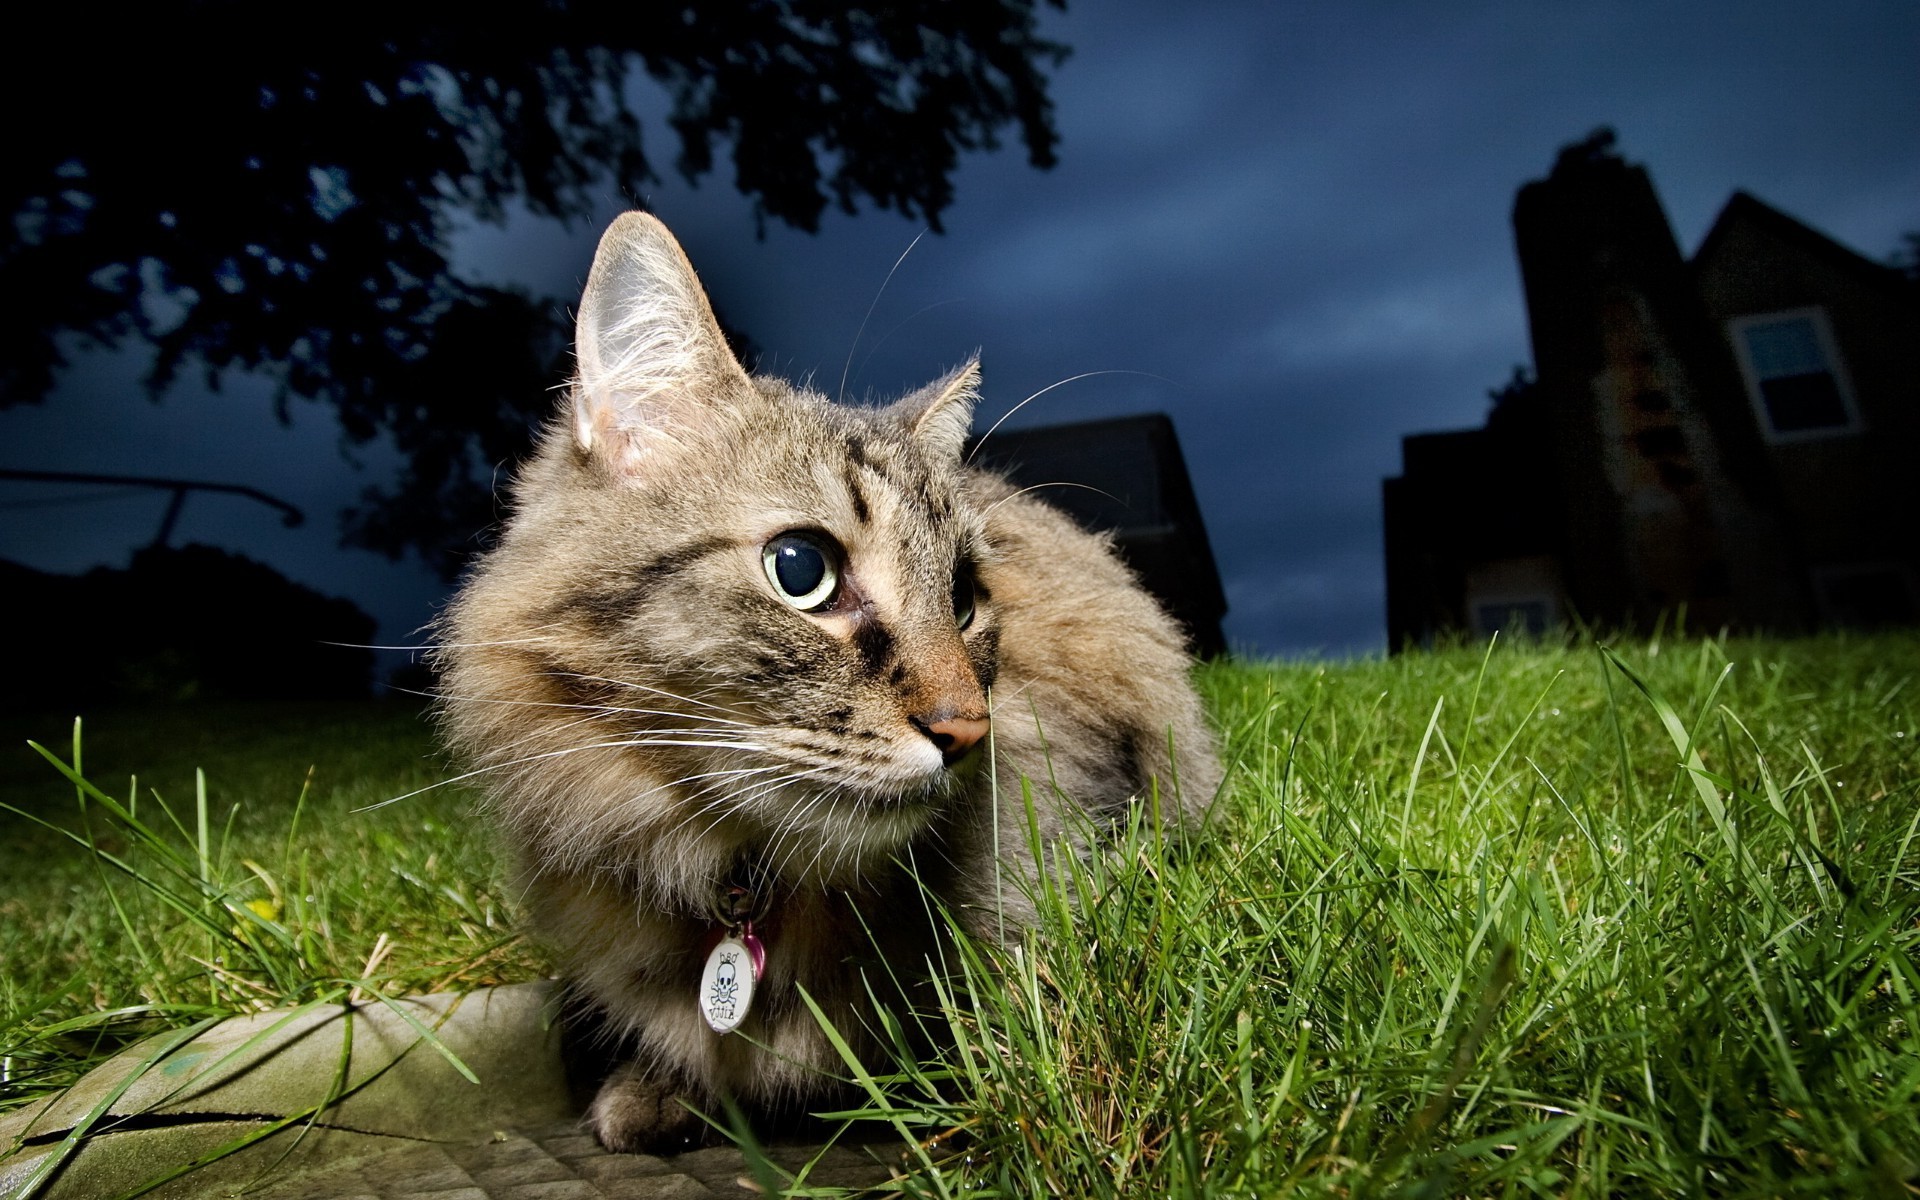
(803, 568)
(963, 597)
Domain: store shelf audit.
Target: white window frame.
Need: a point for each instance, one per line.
(1836, 367)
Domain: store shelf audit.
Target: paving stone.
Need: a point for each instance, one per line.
(658, 1187)
(550, 1189)
(333, 1185)
(725, 1170)
(572, 1145)
(605, 1169)
(501, 1150)
(428, 1169)
(531, 1170)
(842, 1167)
(573, 1127)
(715, 1166)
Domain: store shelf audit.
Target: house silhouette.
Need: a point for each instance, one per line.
(1736, 435)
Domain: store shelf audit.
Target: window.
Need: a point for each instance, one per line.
(1794, 376)
(1514, 595)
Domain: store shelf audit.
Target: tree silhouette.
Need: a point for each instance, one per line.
(271, 188)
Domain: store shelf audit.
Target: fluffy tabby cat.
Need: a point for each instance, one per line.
(739, 644)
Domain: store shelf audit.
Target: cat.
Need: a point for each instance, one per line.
(750, 674)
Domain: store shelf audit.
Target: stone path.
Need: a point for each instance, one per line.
(398, 1118)
(562, 1163)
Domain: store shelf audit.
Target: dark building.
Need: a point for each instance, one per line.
(1126, 477)
(1734, 435)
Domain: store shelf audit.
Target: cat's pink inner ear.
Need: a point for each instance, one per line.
(650, 354)
(940, 415)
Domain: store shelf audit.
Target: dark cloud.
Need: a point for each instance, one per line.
(1285, 225)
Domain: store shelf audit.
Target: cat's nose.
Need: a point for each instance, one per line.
(952, 736)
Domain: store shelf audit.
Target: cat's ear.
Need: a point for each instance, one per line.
(940, 415)
(651, 358)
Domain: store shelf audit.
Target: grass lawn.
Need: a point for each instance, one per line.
(1534, 921)
(299, 896)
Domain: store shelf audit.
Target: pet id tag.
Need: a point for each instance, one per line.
(726, 985)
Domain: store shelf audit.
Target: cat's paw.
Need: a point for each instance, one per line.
(636, 1112)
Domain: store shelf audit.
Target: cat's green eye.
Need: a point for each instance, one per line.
(963, 597)
(804, 569)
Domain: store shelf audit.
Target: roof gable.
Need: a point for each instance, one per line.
(1743, 208)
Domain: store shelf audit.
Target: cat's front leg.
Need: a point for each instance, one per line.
(639, 1110)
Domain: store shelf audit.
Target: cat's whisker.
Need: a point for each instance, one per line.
(848, 847)
(710, 788)
(727, 800)
(792, 777)
(626, 683)
(667, 712)
(694, 738)
(838, 842)
(730, 772)
(603, 709)
(613, 740)
(718, 796)
(782, 848)
(843, 823)
(608, 712)
(996, 700)
(429, 647)
(708, 743)
(1056, 483)
(595, 712)
(574, 704)
(713, 731)
(842, 393)
(461, 778)
(737, 800)
(875, 348)
(561, 753)
(534, 636)
(792, 819)
(546, 735)
(982, 439)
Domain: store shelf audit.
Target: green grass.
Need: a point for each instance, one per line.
(255, 883)
(1534, 921)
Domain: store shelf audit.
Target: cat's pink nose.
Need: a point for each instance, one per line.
(953, 736)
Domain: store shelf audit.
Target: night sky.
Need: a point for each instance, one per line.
(1287, 226)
